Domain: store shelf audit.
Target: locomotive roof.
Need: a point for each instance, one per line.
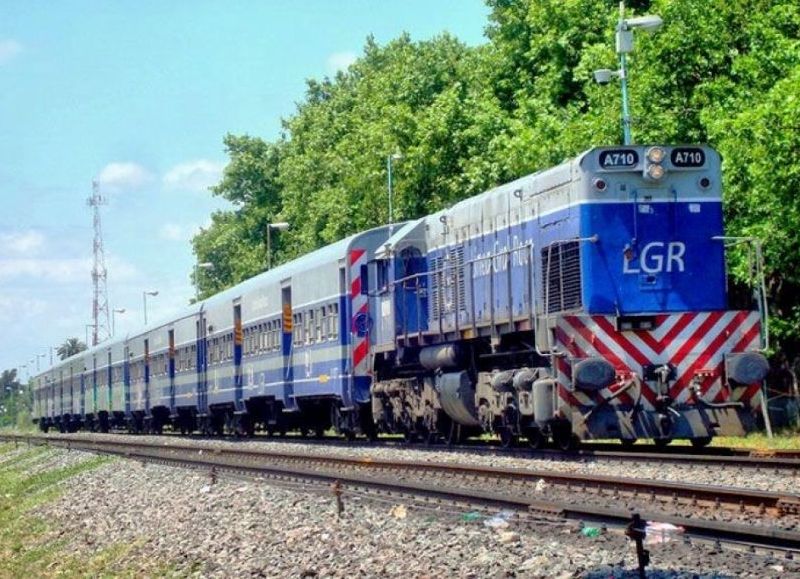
(324, 255)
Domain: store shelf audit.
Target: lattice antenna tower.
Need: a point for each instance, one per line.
(100, 315)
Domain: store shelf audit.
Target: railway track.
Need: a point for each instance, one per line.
(758, 519)
(714, 456)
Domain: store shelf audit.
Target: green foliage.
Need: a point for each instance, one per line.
(70, 347)
(467, 118)
(15, 401)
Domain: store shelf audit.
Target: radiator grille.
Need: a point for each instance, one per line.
(561, 275)
(448, 283)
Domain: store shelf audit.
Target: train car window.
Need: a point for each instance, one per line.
(297, 329)
(309, 330)
(319, 329)
(364, 274)
(334, 321)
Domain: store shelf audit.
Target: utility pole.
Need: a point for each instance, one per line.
(100, 314)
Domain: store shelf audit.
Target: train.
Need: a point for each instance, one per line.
(586, 301)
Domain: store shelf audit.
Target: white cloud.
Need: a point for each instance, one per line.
(63, 270)
(179, 232)
(23, 242)
(13, 307)
(340, 61)
(57, 270)
(196, 175)
(171, 232)
(123, 176)
(9, 49)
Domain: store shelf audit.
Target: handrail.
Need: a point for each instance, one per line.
(763, 306)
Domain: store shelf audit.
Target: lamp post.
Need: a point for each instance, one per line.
(37, 360)
(624, 46)
(114, 321)
(197, 268)
(280, 226)
(153, 293)
(389, 159)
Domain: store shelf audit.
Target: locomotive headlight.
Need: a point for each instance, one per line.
(600, 184)
(655, 154)
(655, 171)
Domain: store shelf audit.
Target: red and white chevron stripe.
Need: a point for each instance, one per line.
(359, 305)
(694, 343)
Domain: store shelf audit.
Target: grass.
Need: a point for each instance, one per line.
(28, 547)
(783, 440)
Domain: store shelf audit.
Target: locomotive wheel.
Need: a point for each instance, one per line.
(507, 437)
(701, 441)
(661, 442)
(453, 435)
(563, 437)
(536, 439)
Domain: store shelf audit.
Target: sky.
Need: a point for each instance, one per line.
(138, 97)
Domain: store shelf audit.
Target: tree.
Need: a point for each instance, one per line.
(70, 347)
(15, 399)
(468, 118)
(236, 240)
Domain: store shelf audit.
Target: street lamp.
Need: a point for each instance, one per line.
(86, 329)
(625, 28)
(389, 159)
(113, 320)
(153, 293)
(37, 360)
(280, 226)
(197, 268)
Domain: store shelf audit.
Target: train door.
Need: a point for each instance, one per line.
(202, 365)
(171, 372)
(287, 346)
(382, 301)
(82, 402)
(109, 381)
(72, 397)
(146, 370)
(238, 339)
(95, 409)
(126, 380)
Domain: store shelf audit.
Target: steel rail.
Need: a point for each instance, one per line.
(778, 460)
(217, 458)
(775, 503)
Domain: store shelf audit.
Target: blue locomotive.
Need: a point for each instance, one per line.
(585, 301)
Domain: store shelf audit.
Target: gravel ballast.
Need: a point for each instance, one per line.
(177, 517)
